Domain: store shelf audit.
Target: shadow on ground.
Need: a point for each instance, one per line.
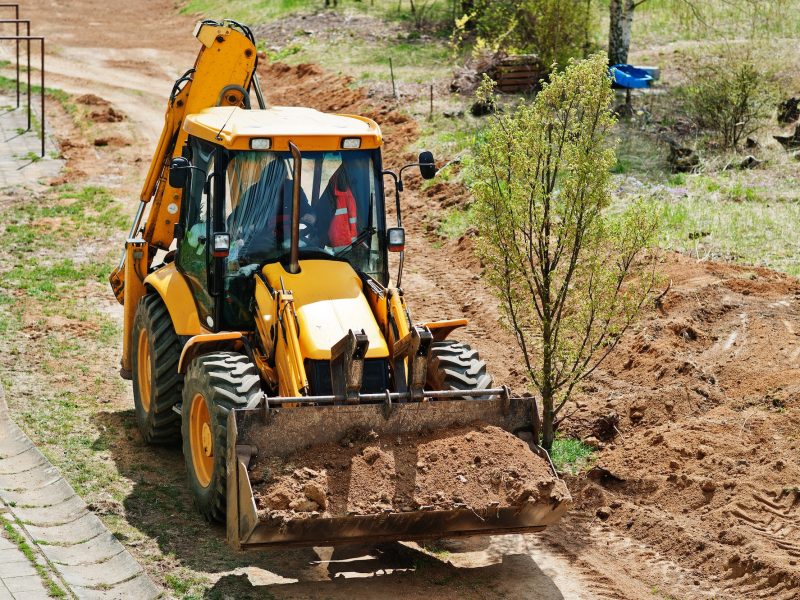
(159, 508)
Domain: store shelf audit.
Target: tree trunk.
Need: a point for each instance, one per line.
(548, 431)
(619, 31)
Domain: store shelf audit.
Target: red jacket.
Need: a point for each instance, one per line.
(343, 229)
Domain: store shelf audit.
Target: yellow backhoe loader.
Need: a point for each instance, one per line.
(259, 317)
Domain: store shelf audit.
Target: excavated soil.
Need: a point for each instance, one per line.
(701, 463)
(474, 467)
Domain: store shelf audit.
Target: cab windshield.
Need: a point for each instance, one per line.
(338, 211)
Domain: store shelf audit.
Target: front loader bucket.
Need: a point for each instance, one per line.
(283, 431)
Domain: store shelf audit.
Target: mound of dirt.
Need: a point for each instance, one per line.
(475, 467)
(111, 142)
(701, 465)
(102, 111)
(92, 100)
(310, 85)
(107, 114)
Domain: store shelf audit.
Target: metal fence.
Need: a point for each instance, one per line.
(27, 38)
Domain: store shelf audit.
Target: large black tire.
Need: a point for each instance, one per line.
(456, 366)
(155, 351)
(214, 383)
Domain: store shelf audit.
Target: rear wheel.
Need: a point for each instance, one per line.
(456, 366)
(214, 384)
(154, 364)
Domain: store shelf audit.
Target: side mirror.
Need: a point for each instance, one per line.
(396, 239)
(427, 166)
(179, 172)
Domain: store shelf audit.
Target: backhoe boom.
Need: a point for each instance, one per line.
(222, 76)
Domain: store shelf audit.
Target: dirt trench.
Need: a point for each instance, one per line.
(696, 489)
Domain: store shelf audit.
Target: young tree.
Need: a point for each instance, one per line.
(730, 97)
(570, 277)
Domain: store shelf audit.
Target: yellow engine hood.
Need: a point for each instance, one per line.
(329, 301)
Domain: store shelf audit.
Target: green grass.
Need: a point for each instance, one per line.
(455, 222)
(639, 154)
(75, 214)
(53, 589)
(748, 217)
(8, 84)
(446, 137)
(414, 60)
(249, 12)
(49, 258)
(665, 21)
(185, 586)
(53, 281)
(570, 455)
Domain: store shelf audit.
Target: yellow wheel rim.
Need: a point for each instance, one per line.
(201, 440)
(143, 367)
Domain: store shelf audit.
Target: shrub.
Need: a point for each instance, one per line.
(730, 98)
(553, 29)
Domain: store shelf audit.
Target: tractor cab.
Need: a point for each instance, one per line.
(253, 179)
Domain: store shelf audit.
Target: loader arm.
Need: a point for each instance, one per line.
(226, 62)
(222, 75)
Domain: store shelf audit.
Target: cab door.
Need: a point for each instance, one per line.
(194, 257)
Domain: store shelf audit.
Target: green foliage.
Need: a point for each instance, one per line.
(569, 274)
(456, 222)
(553, 29)
(571, 455)
(730, 98)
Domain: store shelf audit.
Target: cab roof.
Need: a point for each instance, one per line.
(309, 129)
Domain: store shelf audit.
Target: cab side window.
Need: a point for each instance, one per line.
(192, 259)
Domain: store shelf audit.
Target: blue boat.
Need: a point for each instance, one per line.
(630, 77)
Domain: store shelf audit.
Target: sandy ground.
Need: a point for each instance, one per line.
(695, 493)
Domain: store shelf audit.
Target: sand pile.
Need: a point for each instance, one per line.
(467, 467)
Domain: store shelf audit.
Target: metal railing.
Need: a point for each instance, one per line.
(16, 18)
(27, 38)
(27, 24)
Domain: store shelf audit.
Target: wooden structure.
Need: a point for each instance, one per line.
(519, 73)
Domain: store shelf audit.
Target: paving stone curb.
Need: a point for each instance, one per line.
(90, 561)
(20, 164)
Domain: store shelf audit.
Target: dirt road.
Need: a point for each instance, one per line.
(690, 498)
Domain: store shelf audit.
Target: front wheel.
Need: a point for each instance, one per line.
(456, 366)
(214, 384)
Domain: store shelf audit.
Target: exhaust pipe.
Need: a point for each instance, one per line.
(294, 256)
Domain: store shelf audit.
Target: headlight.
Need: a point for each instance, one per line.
(261, 143)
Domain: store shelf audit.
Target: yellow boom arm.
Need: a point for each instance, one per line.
(221, 76)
